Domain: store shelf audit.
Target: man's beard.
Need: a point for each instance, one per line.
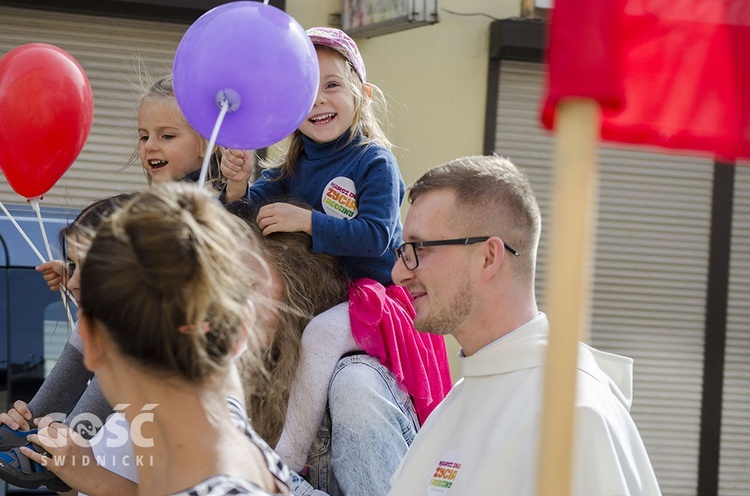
(449, 318)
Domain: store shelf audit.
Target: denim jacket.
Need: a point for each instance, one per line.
(369, 424)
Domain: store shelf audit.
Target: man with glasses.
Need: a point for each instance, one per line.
(469, 261)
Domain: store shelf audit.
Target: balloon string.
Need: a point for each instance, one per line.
(35, 206)
(23, 234)
(66, 293)
(63, 290)
(212, 142)
(68, 298)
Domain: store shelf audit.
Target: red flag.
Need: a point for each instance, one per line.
(671, 73)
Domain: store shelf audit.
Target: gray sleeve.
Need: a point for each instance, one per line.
(64, 384)
(75, 340)
(91, 411)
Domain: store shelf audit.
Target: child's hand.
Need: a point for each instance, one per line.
(52, 273)
(283, 217)
(237, 167)
(18, 417)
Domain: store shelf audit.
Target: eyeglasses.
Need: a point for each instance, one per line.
(407, 252)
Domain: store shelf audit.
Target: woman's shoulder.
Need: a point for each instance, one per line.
(273, 461)
(224, 485)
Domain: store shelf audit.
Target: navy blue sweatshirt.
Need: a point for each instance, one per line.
(355, 191)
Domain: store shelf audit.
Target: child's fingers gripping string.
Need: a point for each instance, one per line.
(238, 169)
(236, 154)
(52, 272)
(233, 165)
(234, 159)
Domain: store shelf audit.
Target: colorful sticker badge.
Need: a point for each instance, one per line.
(340, 198)
(445, 473)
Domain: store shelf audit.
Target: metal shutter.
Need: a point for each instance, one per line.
(734, 468)
(120, 57)
(651, 265)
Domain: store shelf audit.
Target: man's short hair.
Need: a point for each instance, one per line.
(493, 196)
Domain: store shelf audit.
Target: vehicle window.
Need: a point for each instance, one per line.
(57, 329)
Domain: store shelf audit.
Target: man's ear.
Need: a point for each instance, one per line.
(494, 254)
(94, 354)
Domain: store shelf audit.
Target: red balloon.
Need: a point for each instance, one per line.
(46, 112)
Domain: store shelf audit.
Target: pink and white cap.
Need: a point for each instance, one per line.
(342, 43)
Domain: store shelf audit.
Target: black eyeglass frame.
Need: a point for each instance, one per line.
(398, 252)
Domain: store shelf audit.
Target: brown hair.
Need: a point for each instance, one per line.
(365, 122)
(88, 220)
(494, 198)
(312, 283)
(170, 276)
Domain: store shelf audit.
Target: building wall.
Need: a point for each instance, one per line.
(435, 77)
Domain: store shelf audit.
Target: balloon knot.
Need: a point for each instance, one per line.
(231, 97)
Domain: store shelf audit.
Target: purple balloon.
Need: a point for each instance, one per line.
(260, 59)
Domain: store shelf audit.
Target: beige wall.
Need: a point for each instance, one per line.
(435, 78)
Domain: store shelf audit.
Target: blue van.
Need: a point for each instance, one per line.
(34, 322)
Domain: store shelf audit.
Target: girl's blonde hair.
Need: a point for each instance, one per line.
(369, 103)
(312, 283)
(163, 89)
(170, 278)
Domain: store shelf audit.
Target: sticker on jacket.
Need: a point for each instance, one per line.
(340, 198)
(445, 473)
